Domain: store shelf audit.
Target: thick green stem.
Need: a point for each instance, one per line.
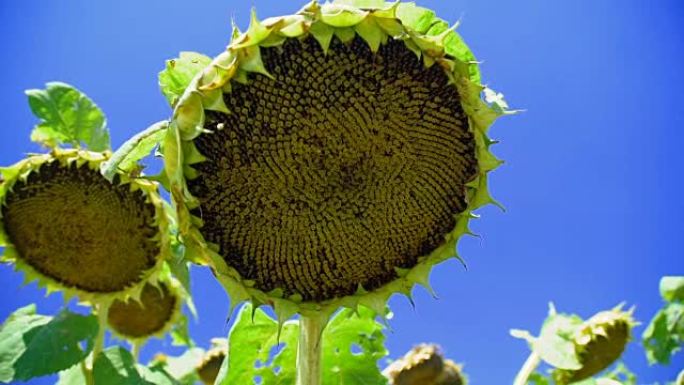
(527, 369)
(101, 310)
(309, 350)
(137, 346)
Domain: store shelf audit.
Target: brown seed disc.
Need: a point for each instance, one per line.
(210, 367)
(336, 171)
(145, 318)
(73, 226)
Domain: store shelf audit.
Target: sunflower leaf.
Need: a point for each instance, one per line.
(183, 367)
(116, 366)
(555, 344)
(33, 345)
(67, 116)
(672, 289)
(352, 345)
(178, 74)
(664, 335)
(256, 334)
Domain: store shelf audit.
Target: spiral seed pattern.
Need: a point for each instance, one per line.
(72, 225)
(335, 170)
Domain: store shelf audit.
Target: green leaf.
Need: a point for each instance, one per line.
(116, 366)
(12, 344)
(72, 376)
(672, 289)
(156, 375)
(538, 379)
(67, 116)
(346, 333)
(178, 74)
(33, 345)
(253, 338)
(664, 335)
(182, 368)
(555, 342)
(126, 158)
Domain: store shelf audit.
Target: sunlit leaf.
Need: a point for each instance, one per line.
(252, 340)
(182, 368)
(555, 342)
(352, 344)
(664, 335)
(174, 79)
(67, 116)
(116, 366)
(672, 289)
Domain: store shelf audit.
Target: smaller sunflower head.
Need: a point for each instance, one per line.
(64, 224)
(210, 366)
(599, 342)
(152, 315)
(425, 365)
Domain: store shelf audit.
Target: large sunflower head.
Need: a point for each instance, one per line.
(332, 157)
(64, 224)
(599, 342)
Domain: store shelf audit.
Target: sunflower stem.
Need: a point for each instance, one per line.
(309, 350)
(527, 369)
(136, 349)
(101, 310)
(87, 373)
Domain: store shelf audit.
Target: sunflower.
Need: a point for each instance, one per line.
(332, 157)
(152, 314)
(424, 365)
(210, 366)
(599, 342)
(66, 226)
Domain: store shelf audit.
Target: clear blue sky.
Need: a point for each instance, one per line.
(593, 180)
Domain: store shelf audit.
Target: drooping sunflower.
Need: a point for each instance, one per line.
(210, 366)
(599, 342)
(424, 365)
(152, 314)
(332, 157)
(65, 225)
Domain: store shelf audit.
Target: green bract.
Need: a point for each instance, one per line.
(332, 157)
(64, 224)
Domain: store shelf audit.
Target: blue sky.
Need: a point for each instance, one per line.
(592, 181)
